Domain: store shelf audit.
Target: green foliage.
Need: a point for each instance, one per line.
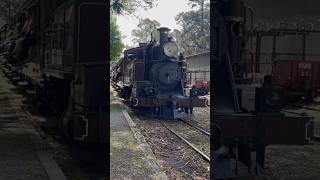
(146, 28)
(116, 45)
(130, 6)
(194, 37)
(197, 3)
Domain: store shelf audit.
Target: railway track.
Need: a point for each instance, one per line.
(189, 133)
(194, 136)
(195, 126)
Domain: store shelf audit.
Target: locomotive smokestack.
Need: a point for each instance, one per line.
(164, 31)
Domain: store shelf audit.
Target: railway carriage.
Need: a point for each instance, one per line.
(61, 49)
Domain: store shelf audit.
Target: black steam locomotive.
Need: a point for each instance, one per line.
(152, 79)
(246, 118)
(60, 48)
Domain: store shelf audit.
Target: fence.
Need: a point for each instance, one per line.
(193, 76)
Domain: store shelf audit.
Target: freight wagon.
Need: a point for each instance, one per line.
(299, 78)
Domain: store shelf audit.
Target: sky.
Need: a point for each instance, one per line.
(164, 13)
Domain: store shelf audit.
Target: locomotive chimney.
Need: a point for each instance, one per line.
(164, 31)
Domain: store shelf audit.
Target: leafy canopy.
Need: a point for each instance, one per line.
(146, 28)
(194, 37)
(121, 7)
(116, 45)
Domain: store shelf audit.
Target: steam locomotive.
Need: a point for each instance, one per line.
(152, 78)
(246, 118)
(60, 48)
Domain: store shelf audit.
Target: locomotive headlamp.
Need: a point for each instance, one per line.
(170, 49)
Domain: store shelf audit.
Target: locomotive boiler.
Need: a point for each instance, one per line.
(153, 78)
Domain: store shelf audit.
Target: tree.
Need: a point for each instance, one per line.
(201, 5)
(146, 28)
(116, 45)
(130, 6)
(194, 37)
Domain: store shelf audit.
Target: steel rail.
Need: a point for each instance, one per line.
(206, 157)
(195, 126)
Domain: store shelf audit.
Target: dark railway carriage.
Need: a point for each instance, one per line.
(152, 79)
(61, 48)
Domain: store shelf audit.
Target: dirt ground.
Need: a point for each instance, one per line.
(295, 162)
(292, 163)
(202, 117)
